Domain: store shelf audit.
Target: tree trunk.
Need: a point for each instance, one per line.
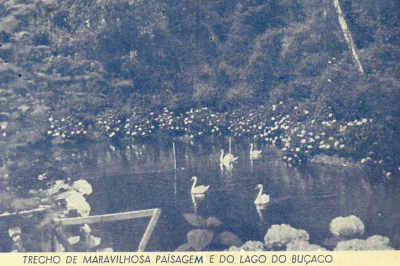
(347, 35)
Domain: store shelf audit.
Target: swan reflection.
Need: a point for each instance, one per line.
(196, 200)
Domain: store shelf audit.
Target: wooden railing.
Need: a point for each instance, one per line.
(153, 213)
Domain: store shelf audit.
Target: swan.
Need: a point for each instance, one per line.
(254, 154)
(198, 189)
(261, 198)
(227, 159)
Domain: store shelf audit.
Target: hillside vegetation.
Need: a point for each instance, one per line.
(100, 69)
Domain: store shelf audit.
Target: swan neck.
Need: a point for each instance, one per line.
(194, 182)
(251, 147)
(260, 191)
(222, 155)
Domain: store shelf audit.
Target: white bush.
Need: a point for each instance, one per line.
(375, 242)
(344, 227)
(280, 235)
(302, 245)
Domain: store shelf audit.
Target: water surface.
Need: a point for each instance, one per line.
(307, 198)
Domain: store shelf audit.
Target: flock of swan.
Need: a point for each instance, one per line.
(227, 160)
(200, 190)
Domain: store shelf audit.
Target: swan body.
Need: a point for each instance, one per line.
(254, 154)
(198, 189)
(227, 159)
(261, 198)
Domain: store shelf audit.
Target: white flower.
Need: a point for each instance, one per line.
(336, 143)
(82, 186)
(58, 184)
(72, 240)
(86, 228)
(75, 201)
(14, 231)
(346, 226)
(280, 235)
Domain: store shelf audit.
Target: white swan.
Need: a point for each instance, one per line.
(261, 198)
(198, 189)
(254, 154)
(227, 159)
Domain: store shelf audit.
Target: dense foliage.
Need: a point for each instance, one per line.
(277, 72)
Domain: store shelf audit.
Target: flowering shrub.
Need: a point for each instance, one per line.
(203, 122)
(250, 245)
(344, 227)
(62, 198)
(375, 242)
(253, 246)
(110, 124)
(302, 245)
(169, 123)
(67, 127)
(140, 125)
(278, 236)
(301, 131)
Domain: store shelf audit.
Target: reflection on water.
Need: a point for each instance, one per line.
(157, 176)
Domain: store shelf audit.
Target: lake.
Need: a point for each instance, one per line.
(306, 198)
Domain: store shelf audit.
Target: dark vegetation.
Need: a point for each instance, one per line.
(274, 71)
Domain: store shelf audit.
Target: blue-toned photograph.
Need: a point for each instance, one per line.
(199, 125)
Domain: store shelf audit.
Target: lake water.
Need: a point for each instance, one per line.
(306, 198)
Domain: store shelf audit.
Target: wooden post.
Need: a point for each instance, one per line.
(174, 154)
(149, 229)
